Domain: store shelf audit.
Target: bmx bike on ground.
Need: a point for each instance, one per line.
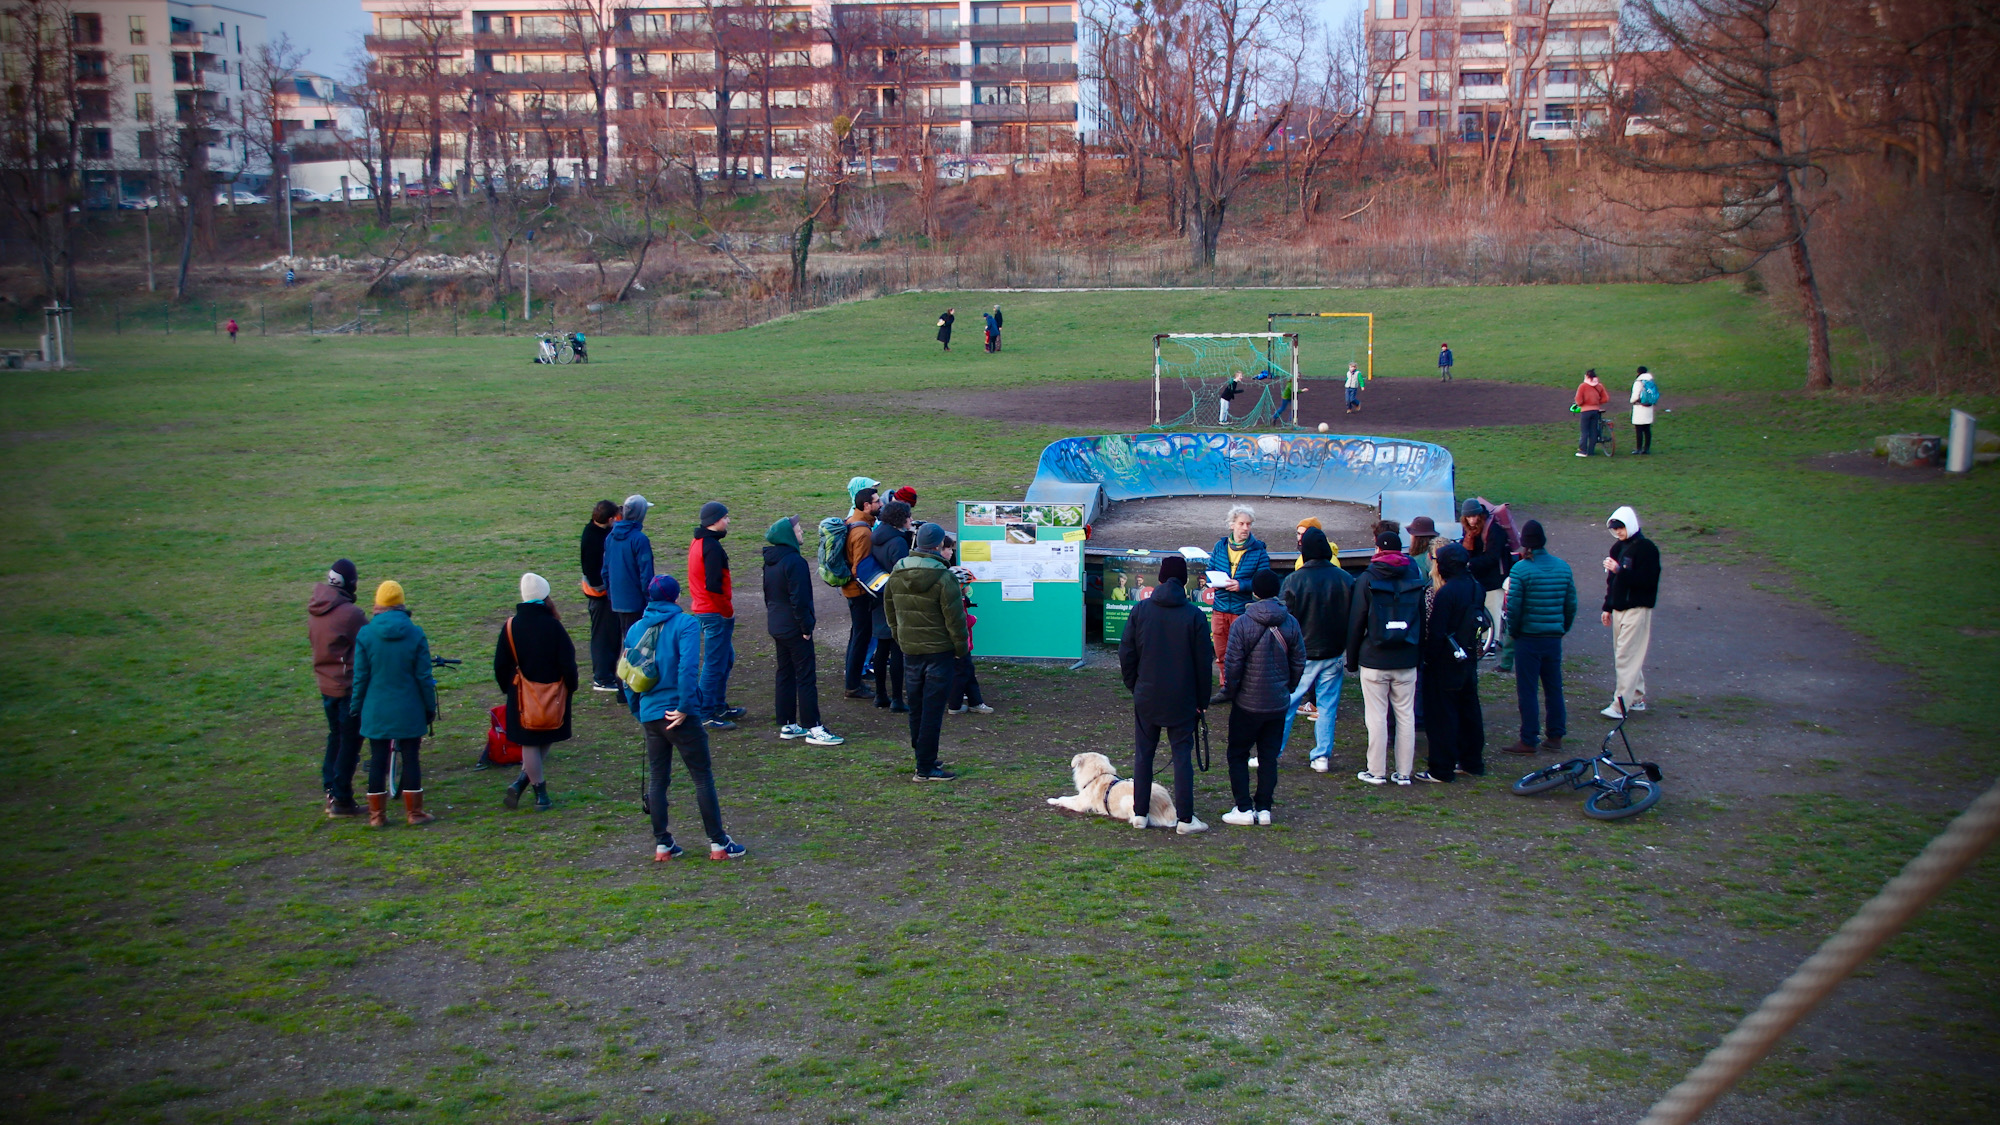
(396, 745)
(1623, 789)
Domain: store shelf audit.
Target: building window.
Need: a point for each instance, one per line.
(93, 105)
(1485, 38)
(142, 105)
(1480, 78)
(1527, 7)
(149, 147)
(1393, 88)
(944, 19)
(1432, 9)
(1434, 86)
(487, 24)
(86, 28)
(90, 66)
(142, 70)
(96, 143)
(1566, 77)
(1429, 118)
(1396, 123)
(1390, 46)
(1045, 13)
(135, 30)
(1391, 9)
(1434, 44)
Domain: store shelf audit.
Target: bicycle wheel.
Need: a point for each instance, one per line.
(1633, 797)
(395, 769)
(564, 354)
(1551, 777)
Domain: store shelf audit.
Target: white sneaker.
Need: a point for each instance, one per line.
(1264, 816)
(1612, 712)
(1639, 706)
(791, 730)
(1371, 778)
(820, 736)
(1141, 822)
(1253, 763)
(980, 709)
(1190, 827)
(1320, 765)
(1583, 455)
(1400, 778)
(1239, 816)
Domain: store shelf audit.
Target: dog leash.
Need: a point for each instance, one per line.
(1201, 750)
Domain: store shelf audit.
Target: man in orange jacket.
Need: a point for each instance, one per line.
(1590, 399)
(714, 606)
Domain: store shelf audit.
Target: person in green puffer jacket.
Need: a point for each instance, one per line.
(926, 609)
(1541, 607)
(395, 698)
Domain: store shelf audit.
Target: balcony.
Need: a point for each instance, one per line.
(998, 114)
(1482, 93)
(915, 115)
(1571, 8)
(1594, 49)
(1022, 72)
(1022, 33)
(496, 80)
(1478, 8)
(184, 38)
(749, 40)
(449, 44)
(920, 73)
(488, 41)
(1482, 50)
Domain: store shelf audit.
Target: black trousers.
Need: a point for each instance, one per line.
(1587, 431)
(626, 621)
(889, 670)
(1455, 728)
(860, 630)
(1260, 735)
(965, 684)
(1642, 437)
(928, 680)
(1180, 743)
(798, 683)
(378, 764)
(343, 750)
(692, 740)
(607, 641)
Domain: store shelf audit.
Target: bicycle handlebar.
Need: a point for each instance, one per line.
(441, 661)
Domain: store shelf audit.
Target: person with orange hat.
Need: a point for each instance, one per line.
(395, 697)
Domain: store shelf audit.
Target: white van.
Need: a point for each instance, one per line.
(1552, 130)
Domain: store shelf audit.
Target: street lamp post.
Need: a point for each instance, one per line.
(528, 278)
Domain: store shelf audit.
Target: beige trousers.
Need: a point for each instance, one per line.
(1382, 689)
(1631, 633)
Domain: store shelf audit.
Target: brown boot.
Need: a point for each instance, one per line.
(1552, 744)
(1519, 747)
(413, 807)
(378, 806)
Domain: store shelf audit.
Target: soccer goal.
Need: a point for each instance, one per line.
(1357, 352)
(1191, 370)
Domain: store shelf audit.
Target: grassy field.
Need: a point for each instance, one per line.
(184, 939)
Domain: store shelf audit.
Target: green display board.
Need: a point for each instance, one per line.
(1027, 564)
(1129, 580)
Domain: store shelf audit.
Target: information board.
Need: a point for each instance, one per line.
(1130, 579)
(1027, 566)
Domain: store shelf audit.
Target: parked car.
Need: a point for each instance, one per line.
(222, 198)
(966, 169)
(1552, 130)
(788, 171)
(419, 191)
(1642, 127)
(143, 203)
(738, 174)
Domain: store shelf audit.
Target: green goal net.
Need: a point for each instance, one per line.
(1193, 374)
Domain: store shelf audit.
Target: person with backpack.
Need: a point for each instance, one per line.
(839, 558)
(1456, 727)
(1444, 362)
(1239, 555)
(715, 607)
(1167, 660)
(1265, 661)
(666, 641)
(1317, 594)
(394, 698)
(1631, 586)
(1645, 396)
(926, 611)
(534, 662)
(789, 618)
(889, 543)
(1492, 556)
(628, 562)
(333, 622)
(1591, 397)
(604, 629)
(993, 330)
(1385, 629)
(1541, 607)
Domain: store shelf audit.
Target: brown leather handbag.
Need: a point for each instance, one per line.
(540, 706)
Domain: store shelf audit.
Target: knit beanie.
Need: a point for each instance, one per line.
(1452, 560)
(1265, 585)
(534, 587)
(1471, 508)
(1173, 568)
(343, 576)
(1532, 535)
(906, 494)
(1313, 545)
(664, 589)
(1311, 521)
(388, 595)
(712, 511)
(931, 537)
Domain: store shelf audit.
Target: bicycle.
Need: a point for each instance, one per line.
(1633, 787)
(553, 349)
(1604, 435)
(396, 744)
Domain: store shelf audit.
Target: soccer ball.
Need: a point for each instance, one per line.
(1322, 427)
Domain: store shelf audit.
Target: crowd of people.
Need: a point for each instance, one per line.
(1412, 628)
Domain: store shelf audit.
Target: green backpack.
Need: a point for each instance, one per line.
(639, 665)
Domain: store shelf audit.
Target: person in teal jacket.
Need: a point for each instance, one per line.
(667, 713)
(395, 697)
(1541, 607)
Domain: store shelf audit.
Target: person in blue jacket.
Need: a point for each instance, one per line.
(1444, 362)
(1240, 555)
(667, 714)
(628, 562)
(395, 698)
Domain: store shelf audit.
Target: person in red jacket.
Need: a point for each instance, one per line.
(1591, 398)
(713, 606)
(333, 621)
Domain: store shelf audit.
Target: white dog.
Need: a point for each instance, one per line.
(1101, 791)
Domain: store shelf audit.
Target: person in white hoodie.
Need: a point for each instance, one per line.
(1631, 587)
(1645, 393)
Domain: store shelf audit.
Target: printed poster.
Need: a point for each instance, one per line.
(1131, 579)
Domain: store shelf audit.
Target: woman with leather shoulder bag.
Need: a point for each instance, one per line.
(535, 664)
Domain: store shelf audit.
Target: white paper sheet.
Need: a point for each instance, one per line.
(1017, 591)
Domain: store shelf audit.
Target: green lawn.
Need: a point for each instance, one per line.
(167, 883)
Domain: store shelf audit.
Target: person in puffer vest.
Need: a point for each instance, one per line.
(1541, 607)
(1265, 659)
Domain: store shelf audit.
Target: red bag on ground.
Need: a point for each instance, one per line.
(499, 751)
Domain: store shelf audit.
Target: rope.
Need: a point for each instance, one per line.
(1878, 920)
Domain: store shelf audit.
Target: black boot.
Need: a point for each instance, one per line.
(513, 798)
(542, 802)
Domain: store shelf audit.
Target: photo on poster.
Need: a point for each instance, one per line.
(1020, 533)
(979, 515)
(1006, 513)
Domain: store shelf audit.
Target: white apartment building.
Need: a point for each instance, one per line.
(145, 67)
(1454, 70)
(970, 76)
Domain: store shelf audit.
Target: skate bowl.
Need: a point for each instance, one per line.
(1162, 490)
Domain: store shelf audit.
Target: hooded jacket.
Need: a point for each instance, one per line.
(679, 656)
(1167, 657)
(1255, 558)
(1317, 595)
(546, 655)
(591, 548)
(888, 546)
(1591, 397)
(1541, 600)
(1454, 611)
(1387, 572)
(394, 694)
(332, 622)
(926, 607)
(628, 565)
(1264, 660)
(1636, 582)
(1491, 560)
(788, 585)
(859, 538)
(710, 586)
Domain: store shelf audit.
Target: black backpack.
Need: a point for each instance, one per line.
(1395, 611)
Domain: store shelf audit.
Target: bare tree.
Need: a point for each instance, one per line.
(1332, 108)
(383, 112)
(588, 28)
(40, 135)
(269, 77)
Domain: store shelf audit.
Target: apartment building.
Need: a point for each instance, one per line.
(148, 68)
(977, 77)
(1456, 70)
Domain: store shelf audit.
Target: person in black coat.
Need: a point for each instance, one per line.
(889, 544)
(534, 643)
(1456, 727)
(1168, 661)
(789, 618)
(1631, 587)
(944, 327)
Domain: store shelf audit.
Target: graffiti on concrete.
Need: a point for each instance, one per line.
(1314, 466)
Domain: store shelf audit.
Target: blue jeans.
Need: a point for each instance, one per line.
(718, 657)
(1322, 679)
(1539, 660)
